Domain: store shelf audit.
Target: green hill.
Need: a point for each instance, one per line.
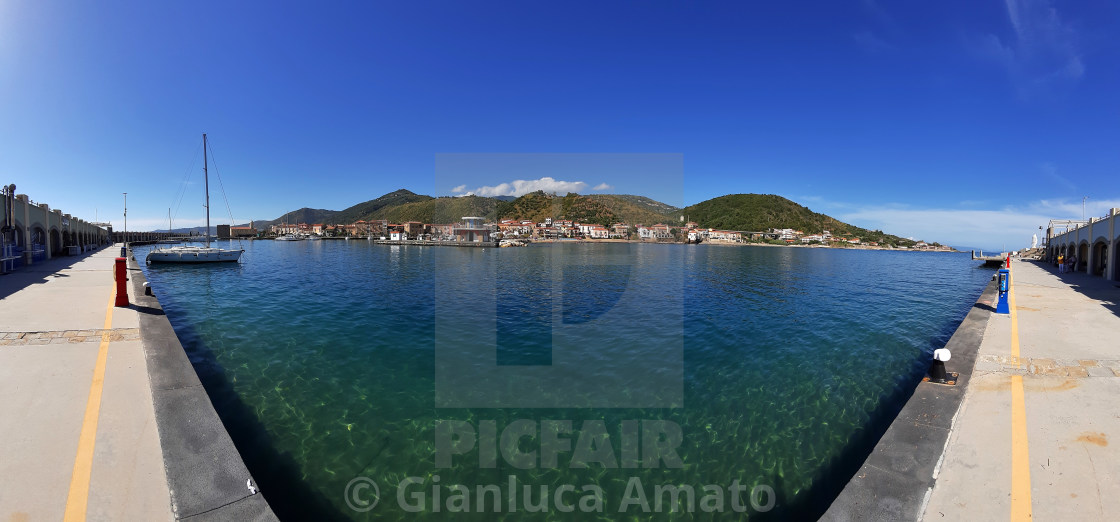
(438, 210)
(651, 205)
(759, 212)
(638, 209)
(600, 209)
(369, 209)
(397, 207)
(744, 212)
(303, 215)
(366, 210)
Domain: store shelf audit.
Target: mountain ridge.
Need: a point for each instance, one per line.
(743, 212)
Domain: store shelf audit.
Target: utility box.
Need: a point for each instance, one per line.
(1004, 286)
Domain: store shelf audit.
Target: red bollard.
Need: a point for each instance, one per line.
(120, 275)
(1008, 260)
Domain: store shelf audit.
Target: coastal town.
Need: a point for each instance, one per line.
(479, 230)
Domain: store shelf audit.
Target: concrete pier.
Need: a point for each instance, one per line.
(1036, 436)
(1029, 430)
(79, 437)
(104, 416)
(895, 479)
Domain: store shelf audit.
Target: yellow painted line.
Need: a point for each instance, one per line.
(78, 498)
(1020, 456)
(1014, 322)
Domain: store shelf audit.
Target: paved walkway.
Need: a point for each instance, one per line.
(1038, 433)
(67, 451)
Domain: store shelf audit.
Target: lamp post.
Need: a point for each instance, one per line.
(124, 246)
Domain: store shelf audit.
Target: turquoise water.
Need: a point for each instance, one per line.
(781, 367)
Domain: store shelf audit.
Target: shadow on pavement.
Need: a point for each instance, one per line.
(40, 272)
(1094, 287)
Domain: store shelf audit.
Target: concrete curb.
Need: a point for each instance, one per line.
(205, 473)
(895, 480)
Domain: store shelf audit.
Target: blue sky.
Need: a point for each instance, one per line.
(970, 123)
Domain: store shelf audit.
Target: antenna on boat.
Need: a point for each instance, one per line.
(206, 174)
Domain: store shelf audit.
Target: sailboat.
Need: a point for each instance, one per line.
(194, 254)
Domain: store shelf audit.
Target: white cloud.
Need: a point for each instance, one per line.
(602, 186)
(1043, 51)
(1051, 171)
(1072, 209)
(976, 228)
(1010, 226)
(460, 188)
(520, 187)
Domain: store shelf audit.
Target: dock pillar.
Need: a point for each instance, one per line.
(937, 373)
(937, 369)
(120, 275)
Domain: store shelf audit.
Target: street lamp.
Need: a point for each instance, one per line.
(124, 246)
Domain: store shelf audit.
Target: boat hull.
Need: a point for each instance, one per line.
(194, 255)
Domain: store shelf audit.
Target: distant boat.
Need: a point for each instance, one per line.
(193, 254)
(313, 237)
(289, 236)
(169, 232)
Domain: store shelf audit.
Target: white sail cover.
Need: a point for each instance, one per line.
(192, 254)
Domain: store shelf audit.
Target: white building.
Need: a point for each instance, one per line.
(1095, 243)
(472, 230)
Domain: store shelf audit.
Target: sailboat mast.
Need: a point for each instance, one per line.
(206, 175)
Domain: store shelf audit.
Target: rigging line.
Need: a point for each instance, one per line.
(187, 176)
(177, 202)
(224, 196)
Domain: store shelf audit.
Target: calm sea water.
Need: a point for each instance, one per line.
(781, 367)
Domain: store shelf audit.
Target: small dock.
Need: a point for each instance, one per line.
(418, 242)
(992, 261)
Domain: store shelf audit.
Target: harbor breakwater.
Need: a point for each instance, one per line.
(205, 473)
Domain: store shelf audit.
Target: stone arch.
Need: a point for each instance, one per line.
(38, 235)
(55, 242)
(1098, 257)
(1082, 253)
(17, 232)
(1115, 262)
